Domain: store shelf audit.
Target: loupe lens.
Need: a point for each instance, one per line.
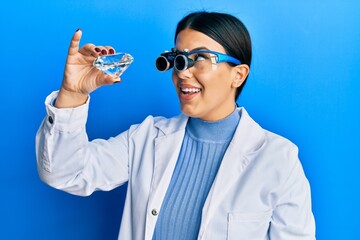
(162, 64)
(181, 62)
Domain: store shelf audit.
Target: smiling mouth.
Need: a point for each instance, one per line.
(190, 90)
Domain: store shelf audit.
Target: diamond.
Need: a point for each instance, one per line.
(113, 65)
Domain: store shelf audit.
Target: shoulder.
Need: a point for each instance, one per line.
(271, 160)
(283, 154)
(281, 143)
(270, 149)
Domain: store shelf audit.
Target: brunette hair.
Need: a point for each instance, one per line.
(225, 29)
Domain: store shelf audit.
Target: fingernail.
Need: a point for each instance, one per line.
(78, 29)
(111, 51)
(97, 49)
(104, 52)
(116, 82)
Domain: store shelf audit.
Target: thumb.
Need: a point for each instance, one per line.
(75, 41)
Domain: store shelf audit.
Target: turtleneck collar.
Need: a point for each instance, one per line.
(217, 131)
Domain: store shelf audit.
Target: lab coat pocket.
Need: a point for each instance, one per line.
(246, 226)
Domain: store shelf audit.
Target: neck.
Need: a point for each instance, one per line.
(220, 115)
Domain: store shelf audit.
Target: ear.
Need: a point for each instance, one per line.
(240, 73)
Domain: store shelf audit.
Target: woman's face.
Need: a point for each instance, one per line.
(207, 95)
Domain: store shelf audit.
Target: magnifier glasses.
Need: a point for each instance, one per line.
(201, 59)
(177, 59)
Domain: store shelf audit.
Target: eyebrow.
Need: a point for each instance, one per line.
(198, 48)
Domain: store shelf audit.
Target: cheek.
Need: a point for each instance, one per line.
(216, 82)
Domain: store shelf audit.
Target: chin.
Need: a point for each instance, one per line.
(188, 111)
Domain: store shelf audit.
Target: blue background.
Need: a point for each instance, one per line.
(304, 85)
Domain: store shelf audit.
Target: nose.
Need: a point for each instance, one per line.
(185, 74)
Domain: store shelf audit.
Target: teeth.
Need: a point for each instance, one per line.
(187, 90)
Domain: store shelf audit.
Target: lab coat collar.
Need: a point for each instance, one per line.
(174, 125)
(248, 136)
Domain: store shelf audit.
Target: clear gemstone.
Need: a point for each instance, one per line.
(114, 64)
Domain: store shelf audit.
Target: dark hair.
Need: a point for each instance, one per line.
(225, 29)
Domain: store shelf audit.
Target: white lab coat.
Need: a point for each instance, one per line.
(260, 191)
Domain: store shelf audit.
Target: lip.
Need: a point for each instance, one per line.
(187, 96)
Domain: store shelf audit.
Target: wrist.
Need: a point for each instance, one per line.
(68, 99)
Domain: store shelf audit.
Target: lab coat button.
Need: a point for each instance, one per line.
(154, 212)
(51, 120)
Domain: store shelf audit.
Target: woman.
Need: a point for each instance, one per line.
(210, 173)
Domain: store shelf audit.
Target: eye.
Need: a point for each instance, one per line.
(200, 57)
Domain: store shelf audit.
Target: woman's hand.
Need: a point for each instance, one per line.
(80, 76)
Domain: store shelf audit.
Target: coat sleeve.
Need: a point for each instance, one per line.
(66, 160)
(292, 217)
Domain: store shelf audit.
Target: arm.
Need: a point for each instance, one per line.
(66, 159)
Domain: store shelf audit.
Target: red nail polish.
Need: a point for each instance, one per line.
(104, 52)
(111, 51)
(97, 49)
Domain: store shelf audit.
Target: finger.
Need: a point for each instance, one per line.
(107, 80)
(110, 49)
(88, 50)
(75, 41)
(100, 50)
(95, 51)
(111, 80)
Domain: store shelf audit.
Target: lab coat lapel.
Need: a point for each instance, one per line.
(248, 139)
(167, 148)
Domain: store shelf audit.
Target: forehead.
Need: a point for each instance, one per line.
(191, 39)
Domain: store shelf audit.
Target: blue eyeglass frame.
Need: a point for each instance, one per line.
(221, 57)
